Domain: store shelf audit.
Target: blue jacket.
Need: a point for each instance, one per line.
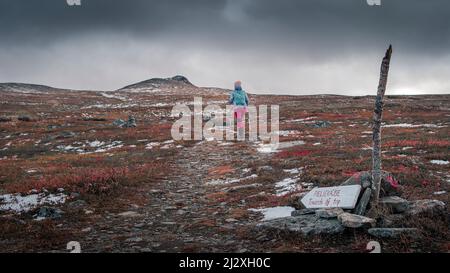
(232, 97)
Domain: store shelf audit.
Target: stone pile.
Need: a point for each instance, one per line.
(396, 212)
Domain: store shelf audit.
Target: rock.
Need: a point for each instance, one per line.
(128, 214)
(264, 169)
(329, 213)
(181, 78)
(389, 185)
(88, 229)
(303, 212)
(355, 221)
(425, 207)
(52, 127)
(75, 195)
(181, 212)
(119, 122)
(168, 223)
(139, 225)
(131, 123)
(24, 118)
(305, 225)
(134, 240)
(5, 119)
(77, 204)
(362, 178)
(67, 134)
(322, 124)
(394, 232)
(49, 212)
(363, 202)
(395, 204)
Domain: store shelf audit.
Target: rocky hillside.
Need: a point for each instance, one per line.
(26, 88)
(179, 85)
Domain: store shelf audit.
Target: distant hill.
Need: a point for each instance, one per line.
(26, 88)
(178, 85)
(155, 83)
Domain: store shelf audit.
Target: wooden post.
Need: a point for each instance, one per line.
(377, 117)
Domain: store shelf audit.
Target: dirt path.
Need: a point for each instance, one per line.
(181, 214)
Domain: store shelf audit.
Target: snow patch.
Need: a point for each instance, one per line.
(151, 145)
(408, 125)
(286, 133)
(439, 162)
(85, 148)
(286, 186)
(112, 96)
(19, 204)
(274, 212)
(274, 147)
(293, 171)
(302, 120)
(232, 181)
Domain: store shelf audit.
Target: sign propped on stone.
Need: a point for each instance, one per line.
(332, 197)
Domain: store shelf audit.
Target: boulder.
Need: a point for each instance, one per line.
(77, 204)
(363, 202)
(395, 204)
(420, 208)
(426, 206)
(362, 178)
(5, 119)
(119, 122)
(24, 118)
(303, 212)
(394, 233)
(67, 134)
(355, 221)
(329, 213)
(131, 123)
(306, 225)
(49, 212)
(322, 124)
(389, 185)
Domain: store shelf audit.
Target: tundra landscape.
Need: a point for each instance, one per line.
(101, 168)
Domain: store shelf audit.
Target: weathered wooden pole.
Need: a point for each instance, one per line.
(377, 117)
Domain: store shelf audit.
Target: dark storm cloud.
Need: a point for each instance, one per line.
(286, 45)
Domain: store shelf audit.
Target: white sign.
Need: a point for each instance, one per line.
(333, 197)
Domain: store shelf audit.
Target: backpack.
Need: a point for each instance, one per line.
(239, 98)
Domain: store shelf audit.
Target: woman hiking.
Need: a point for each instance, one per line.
(240, 101)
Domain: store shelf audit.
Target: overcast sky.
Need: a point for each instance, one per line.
(279, 47)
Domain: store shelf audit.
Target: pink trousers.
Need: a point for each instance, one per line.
(239, 115)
